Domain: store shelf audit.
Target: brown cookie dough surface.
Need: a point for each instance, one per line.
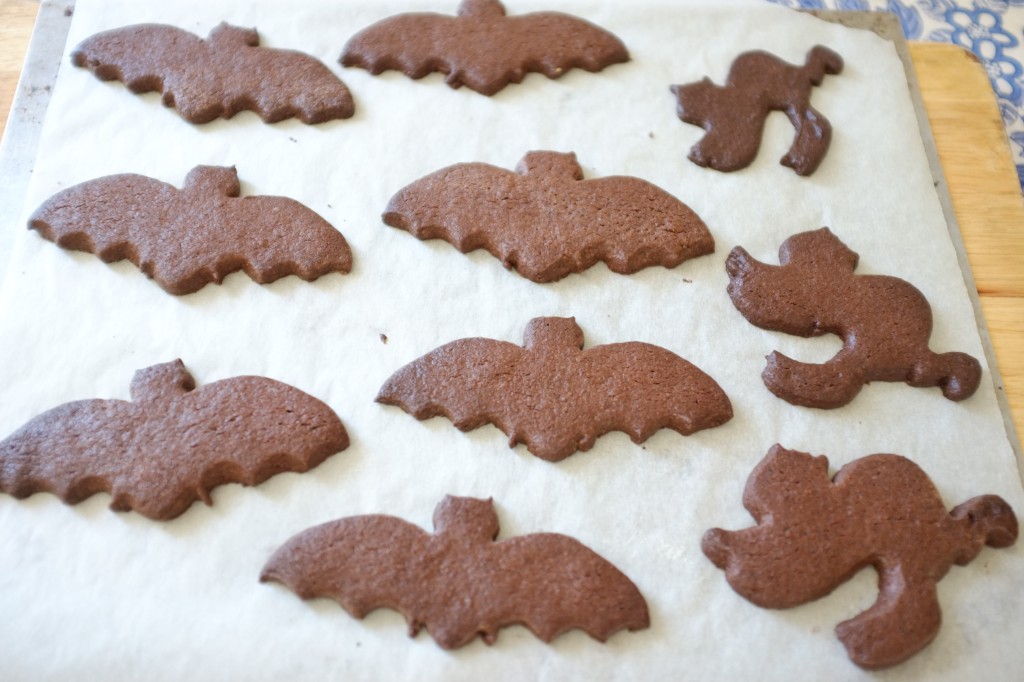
(546, 222)
(733, 115)
(458, 582)
(171, 444)
(885, 323)
(481, 47)
(185, 239)
(555, 397)
(217, 77)
(813, 534)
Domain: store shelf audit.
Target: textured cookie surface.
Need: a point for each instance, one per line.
(884, 322)
(545, 221)
(733, 115)
(813, 534)
(171, 444)
(482, 48)
(555, 397)
(217, 77)
(185, 239)
(458, 582)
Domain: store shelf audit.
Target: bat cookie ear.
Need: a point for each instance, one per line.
(226, 34)
(161, 381)
(481, 8)
(551, 164)
(553, 332)
(213, 180)
(466, 517)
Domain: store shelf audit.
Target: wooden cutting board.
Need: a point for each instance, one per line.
(972, 146)
(986, 195)
(16, 20)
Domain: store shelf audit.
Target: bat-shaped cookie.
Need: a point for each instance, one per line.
(217, 77)
(555, 397)
(458, 582)
(813, 534)
(171, 444)
(482, 48)
(546, 221)
(733, 115)
(187, 238)
(885, 323)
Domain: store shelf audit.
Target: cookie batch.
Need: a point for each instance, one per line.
(173, 442)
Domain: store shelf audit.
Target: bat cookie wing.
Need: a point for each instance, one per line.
(421, 389)
(171, 444)
(185, 239)
(683, 398)
(555, 397)
(459, 583)
(217, 77)
(362, 572)
(545, 221)
(579, 576)
(481, 47)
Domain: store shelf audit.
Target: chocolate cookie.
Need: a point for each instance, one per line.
(482, 48)
(733, 115)
(172, 444)
(885, 323)
(813, 534)
(459, 583)
(555, 397)
(545, 221)
(217, 77)
(185, 239)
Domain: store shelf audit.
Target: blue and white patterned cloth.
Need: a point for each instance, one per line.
(991, 29)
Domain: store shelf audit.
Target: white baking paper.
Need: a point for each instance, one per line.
(86, 593)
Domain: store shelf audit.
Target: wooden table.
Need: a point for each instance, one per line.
(971, 142)
(16, 20)
(986, 196)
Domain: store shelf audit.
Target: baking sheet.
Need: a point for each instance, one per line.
(97, 594)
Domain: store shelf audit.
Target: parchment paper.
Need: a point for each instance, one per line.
(86, 593)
